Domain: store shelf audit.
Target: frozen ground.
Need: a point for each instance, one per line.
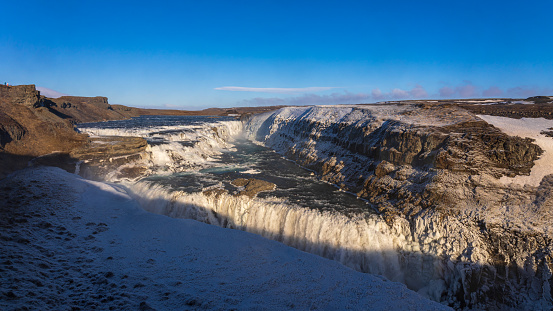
(365, 114)
(71, 244)
(531, 128)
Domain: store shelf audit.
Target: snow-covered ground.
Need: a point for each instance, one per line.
(530, 128)
(72, 244)
(359, 115)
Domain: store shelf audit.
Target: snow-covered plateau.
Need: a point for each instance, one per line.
(449, 204)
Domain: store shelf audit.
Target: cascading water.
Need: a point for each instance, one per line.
(362, 242)
(193, 161)
(191, 155)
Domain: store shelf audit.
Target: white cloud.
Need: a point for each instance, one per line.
(446, 91)
(528, 91)
(399, 94)
(311, 99)
(395, 94)
(275, 89)
(49, 93)
(467, 90)
(493, 91)
(338, 98)
(418, 92)
(377, 94)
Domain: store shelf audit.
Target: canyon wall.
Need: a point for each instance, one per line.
(28, 130)
(33, 132)
(433, 172)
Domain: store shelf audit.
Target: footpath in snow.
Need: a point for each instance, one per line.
(72, 244)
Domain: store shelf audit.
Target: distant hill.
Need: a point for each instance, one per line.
(32, 125)
(94, 109)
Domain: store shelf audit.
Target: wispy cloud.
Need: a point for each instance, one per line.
(446, 91)
(310, 99)
(49, 92)
(417, 92)
(492, 91)
(339, 98)
(282, 90)
(399, 94)
(377, 94)
(466, 90)
(527, 91)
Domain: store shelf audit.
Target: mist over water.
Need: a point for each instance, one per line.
(190, 156)
(243, 159)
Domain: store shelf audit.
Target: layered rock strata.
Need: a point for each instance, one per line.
(433, 171)
(28, 130)
(33, 126)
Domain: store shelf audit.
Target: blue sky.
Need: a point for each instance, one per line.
(199, 54)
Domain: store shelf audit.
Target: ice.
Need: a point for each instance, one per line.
(363, 243)
(92, 247)
(176, 148)
(428, 254)
(251, 171)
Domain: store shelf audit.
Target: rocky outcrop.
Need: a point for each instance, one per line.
(103, 155)
(31, 127)
(28, 130)
(432, 171)
(79, 109)
(542, 108)
(25, 95)
(10, 130)
(251, 187)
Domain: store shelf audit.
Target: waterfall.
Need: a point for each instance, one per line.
(445, 258)
(362, 242)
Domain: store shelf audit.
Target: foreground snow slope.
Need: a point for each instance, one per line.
(69, 243)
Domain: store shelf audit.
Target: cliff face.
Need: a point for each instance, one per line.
(32, 125)
(85, 109)
(26, 95)
(433, 172)
(28, 130)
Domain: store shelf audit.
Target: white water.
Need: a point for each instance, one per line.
(177, 148)
(363, 243)
(430, 257)
(160, 262)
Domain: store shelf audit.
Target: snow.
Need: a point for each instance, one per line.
(166, 153)
(251, 172)
(528, 128)
(70, 243)
(354, 115)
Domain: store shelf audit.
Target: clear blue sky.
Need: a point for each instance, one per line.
(198, 54)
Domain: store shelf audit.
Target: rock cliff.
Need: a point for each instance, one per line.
(31, 127)
(434, 172)
(79, 109)
(28, 130)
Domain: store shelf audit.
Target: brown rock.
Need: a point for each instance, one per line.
(252, 186)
